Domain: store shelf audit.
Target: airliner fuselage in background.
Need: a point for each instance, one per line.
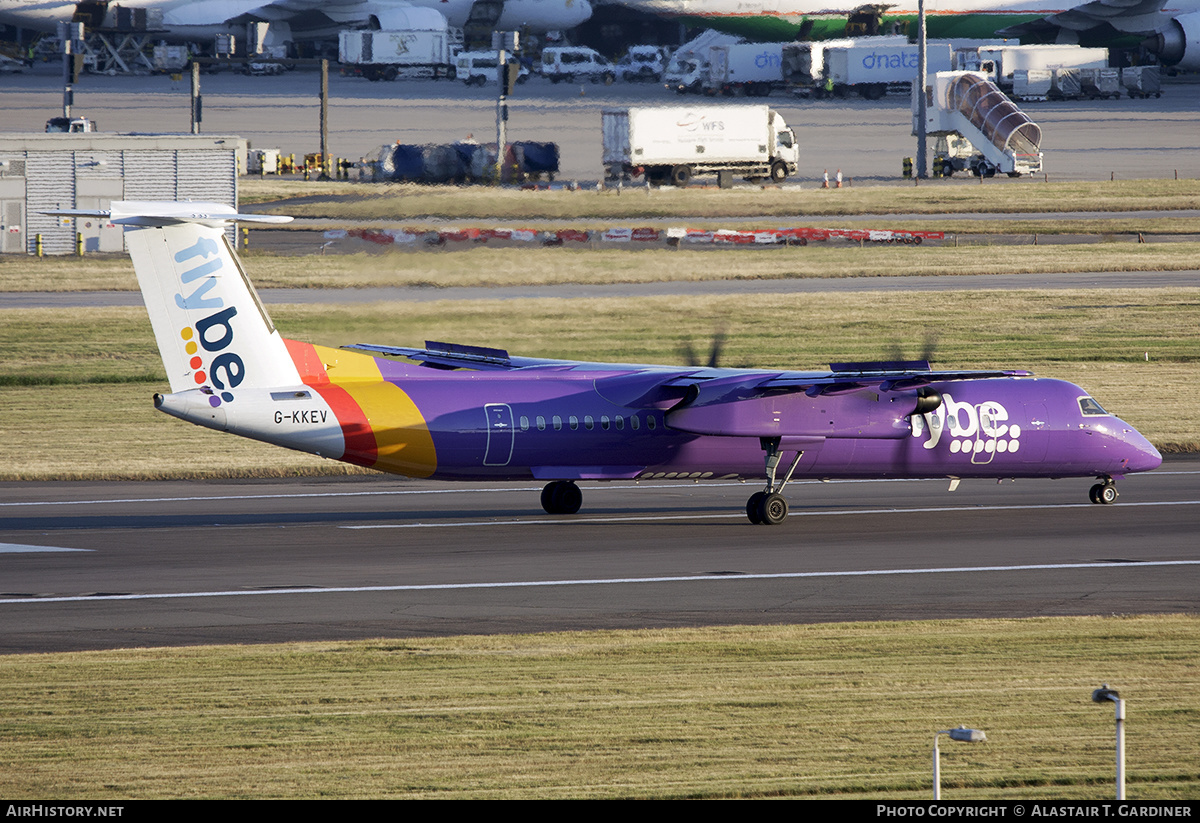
(203, 19)
(1171, 27)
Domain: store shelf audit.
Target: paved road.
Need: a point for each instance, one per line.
(1084, 140)
(99, 565)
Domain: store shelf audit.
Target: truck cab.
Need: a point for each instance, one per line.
(70, 125)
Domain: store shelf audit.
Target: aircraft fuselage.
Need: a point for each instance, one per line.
(563, 423)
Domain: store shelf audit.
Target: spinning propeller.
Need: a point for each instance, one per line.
(688, 352)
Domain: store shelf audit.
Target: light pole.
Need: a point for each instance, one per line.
(922, 67)
(961, 733)
(1100, 695)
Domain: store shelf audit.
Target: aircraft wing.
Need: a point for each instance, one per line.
(1128, 16)
(458, 356)
(640, 386)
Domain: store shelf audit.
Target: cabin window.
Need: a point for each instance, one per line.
(588, 422)
(651, 423)
(557, 423)
(524, 423)
(635, 422)
(541, 423)
(620, 423)
(604, 422)
(574, 421)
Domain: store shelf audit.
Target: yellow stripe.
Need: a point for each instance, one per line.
(402, 436)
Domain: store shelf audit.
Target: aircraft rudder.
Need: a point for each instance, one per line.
(212, 330)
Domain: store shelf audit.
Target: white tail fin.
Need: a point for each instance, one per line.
(211, 327)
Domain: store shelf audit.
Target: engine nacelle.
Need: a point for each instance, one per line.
(1179, 44)
(406, 18)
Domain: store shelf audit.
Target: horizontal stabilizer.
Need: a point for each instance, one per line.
(156, 213)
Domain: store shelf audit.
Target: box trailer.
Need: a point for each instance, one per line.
(870, 70)
(383, 55)
(1000, 63)
(752, 69)
(674, 144)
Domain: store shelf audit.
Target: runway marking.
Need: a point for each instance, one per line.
(21, 548)
(634, 518)
(601, 581)
(650, 484)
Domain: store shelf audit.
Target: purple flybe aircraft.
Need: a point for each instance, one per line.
(459, 412)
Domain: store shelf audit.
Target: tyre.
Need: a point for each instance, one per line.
(561, 497)
(779, 171)
(681, 176)
(752, 507)
(772, 509)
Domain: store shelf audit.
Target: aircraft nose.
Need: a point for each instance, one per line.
(1143, 457)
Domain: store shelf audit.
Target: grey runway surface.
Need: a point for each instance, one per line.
(101, 565)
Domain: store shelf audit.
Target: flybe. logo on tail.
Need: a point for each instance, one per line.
(207, 340)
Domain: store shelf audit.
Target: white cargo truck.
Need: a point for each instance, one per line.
(673, 144)
(1000, 63)
(870, 69)
(804, 63)
(384, 55)
(752, 69)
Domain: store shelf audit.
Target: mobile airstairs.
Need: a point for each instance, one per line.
(978, 129)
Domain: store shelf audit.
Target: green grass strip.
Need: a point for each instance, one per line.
(830, 711)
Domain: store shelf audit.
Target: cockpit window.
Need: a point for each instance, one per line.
(1090, 407)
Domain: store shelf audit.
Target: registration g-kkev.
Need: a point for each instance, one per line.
(467, 412)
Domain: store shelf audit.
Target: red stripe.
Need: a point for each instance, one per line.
(360, 446)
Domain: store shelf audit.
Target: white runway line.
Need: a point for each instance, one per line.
(636, 518)
(601, 581)
(21, 548)
(652, 484)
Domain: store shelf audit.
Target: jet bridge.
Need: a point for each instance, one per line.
(978, 127)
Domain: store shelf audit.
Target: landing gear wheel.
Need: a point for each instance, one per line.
(752, 507)
(1103, 493)
(772, 509)
(561, 497)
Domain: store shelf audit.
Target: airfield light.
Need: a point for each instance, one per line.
(1101, 695)
(961, 733)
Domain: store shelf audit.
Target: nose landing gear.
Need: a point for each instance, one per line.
(1104, 493)
(768, 507)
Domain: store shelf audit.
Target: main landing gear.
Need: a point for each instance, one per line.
(768, 506)
(1104, 493)
(561, 497)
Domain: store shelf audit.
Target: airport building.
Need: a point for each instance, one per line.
(43, 172)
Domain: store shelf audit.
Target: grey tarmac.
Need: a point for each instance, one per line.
(186, 563)
(867, 140)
